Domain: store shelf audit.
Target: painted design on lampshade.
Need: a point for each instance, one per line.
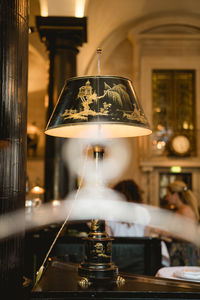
(98, 100)
(90, 104)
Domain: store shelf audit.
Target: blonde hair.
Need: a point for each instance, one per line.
(185, 194)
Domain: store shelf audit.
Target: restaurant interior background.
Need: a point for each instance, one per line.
(156, 45)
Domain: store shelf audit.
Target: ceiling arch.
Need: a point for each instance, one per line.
(166, 23)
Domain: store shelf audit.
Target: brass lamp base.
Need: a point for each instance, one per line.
(97, 266)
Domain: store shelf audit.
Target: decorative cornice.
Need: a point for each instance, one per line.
(166, 163)
(62, 32)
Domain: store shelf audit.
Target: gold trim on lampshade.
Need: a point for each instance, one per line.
(104, 106)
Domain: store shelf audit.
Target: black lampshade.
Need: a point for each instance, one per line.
(104, 105)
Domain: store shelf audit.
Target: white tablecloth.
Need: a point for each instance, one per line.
(180, 273)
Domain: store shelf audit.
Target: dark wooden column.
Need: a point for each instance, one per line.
(62, 36)
(13, 113)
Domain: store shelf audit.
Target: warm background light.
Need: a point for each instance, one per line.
(79, 9)
(44, 8)
(69, 8)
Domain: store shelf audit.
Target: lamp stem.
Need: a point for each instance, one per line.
(97, 264)
(98, 156)
(99, 51)
(98, 152)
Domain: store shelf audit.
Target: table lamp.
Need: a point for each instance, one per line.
(107, 107)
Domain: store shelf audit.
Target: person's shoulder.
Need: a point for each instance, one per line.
(187, 212)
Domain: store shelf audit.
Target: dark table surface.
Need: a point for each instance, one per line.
(60, 281)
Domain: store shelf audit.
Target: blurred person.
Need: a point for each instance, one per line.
(183, 253)
(132, 193)
(183, 199)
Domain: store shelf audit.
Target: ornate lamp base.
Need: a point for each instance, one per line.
(97, 266)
